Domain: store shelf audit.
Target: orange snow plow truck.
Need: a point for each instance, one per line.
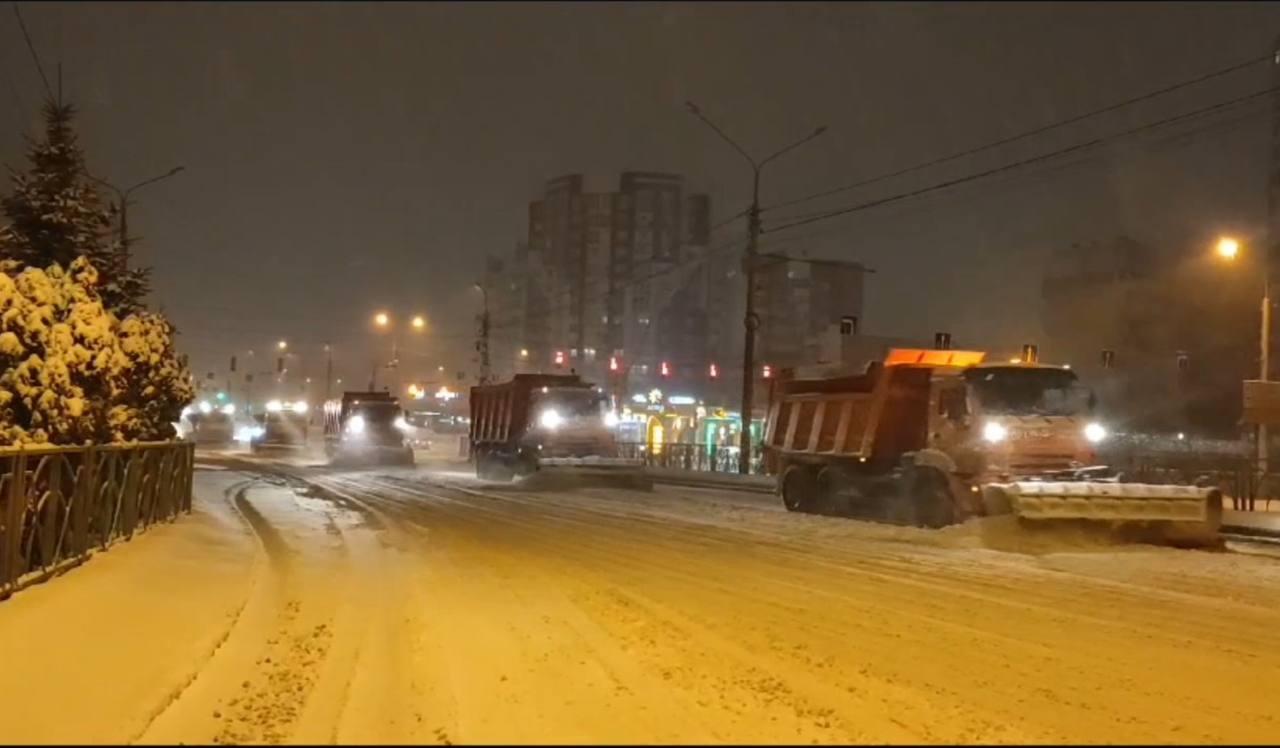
(934, 437)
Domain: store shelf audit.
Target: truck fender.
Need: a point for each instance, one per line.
(934, 458)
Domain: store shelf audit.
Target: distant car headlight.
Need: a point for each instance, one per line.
(1095, 432)
(300, 407)
(355, 425)
(610, 419)
(550, 419)
(994, 432)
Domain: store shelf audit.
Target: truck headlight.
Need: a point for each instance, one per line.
(355, 425)
(402, 424)
(994, 432)
(550, 419)
(610, 419)
(1095, 432)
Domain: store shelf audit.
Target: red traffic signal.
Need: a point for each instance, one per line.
(559, 358)
(713, 371)
(613, 363)
(766, 371)
(666, 369)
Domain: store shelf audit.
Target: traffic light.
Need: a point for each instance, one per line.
(614, 366)
(280, 365)
(233, 364)
(666, 369)
(942, 341)
(559, 359)
(766, 371)
(1030, 354)
(1184, 361)
(1108, 359)
(713, 371)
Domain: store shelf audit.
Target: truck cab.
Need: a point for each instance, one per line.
(280, 426)
(536, 421)
(1005, 421)
(366, 427)
(569, 422)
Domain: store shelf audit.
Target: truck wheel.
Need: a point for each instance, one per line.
(832, 491)
(931, 497)
(799, 489)
(501, 470)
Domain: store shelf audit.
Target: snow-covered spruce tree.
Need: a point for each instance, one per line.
(55, 215)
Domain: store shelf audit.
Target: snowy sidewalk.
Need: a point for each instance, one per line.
(94, 655)
(1254, 523)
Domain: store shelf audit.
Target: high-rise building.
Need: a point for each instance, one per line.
(611, 275)
(798, 300)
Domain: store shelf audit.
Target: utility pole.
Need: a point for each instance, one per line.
(328, 370)
(751, 320)
(482, 342)
(1273, 251)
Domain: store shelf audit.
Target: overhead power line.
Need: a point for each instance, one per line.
(1029, 133)
(822, 216)
(31, 47)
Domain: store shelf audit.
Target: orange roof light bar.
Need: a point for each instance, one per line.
(933, 357)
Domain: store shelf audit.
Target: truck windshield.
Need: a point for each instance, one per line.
(1023, 390)
(572, 402)
(377, 412)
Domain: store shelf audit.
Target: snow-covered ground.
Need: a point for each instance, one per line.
(423, 606)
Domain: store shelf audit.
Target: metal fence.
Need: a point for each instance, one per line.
(57, 504)
(696, 457)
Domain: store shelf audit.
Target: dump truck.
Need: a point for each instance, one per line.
(934, 437)
(366, 428)
(551, 425)
(283, 426)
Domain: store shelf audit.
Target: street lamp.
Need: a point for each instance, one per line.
(282, 345)
(383, 321)
(122, 196)
(1228, 248)
(750, 319)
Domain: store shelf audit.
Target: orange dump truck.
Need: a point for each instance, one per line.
(933, 437)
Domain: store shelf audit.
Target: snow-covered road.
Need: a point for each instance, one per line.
(422, 606)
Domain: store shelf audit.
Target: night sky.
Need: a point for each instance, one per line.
(342, 158)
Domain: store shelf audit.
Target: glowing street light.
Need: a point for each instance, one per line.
(282, 345)
(1228, 248)
(381, 319)
(419, 323)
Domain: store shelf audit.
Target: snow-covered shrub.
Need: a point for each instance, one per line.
(72, 373)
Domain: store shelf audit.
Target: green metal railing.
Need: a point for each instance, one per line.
(58, 504)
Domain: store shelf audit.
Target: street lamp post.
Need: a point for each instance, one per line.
(383, 321)
(1228, 249)
(750, 320)
(122, 197)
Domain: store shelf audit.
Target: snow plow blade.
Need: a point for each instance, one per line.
(566, 472)
(1187, 514)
